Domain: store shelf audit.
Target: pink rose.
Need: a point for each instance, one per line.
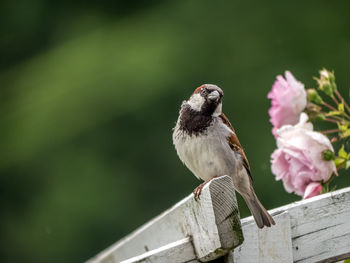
(312, 189)
(298, 159)
(288, 101)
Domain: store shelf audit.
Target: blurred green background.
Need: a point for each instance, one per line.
(90, 91)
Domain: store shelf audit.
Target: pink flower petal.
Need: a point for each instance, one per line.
(288, 100)
(312, 189)
(298, 159)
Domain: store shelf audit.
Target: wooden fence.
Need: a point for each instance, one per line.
(312, 230)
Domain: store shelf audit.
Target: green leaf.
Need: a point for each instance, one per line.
(343, 127)
(342, 153)
(347, 165)
(346, 133)
(339, 162)
(341, 107)
(347, 260)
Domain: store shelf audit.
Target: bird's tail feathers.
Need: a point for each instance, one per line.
(261, 216)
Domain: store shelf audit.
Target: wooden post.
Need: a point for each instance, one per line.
(192, 230)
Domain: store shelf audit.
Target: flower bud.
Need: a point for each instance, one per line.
(313, 110)
(312, 189)
(326, 82)
(312, 95)
(327, 75)
(328, 155)
(320, 117)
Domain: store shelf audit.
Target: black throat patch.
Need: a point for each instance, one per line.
(194, 122)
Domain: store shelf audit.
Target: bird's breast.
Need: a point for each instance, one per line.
(207, 154)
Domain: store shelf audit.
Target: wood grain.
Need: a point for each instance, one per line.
(267, 245)
(319, 229)
(177, 252)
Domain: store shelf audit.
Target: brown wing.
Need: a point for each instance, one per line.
(235, 144)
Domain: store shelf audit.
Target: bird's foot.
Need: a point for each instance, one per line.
(197, 192)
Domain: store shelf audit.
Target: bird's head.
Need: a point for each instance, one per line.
(207, 99)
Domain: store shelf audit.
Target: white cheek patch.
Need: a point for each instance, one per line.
(218, 110)
(196, 102)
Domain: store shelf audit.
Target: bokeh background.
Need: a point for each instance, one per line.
(90, 91)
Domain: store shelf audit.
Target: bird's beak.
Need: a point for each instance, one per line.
(214, 96)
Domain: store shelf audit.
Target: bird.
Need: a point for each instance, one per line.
(207, 144)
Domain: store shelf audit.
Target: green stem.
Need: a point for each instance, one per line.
(329, 106)
(334, 109)
(330, 120)
(330, 179)
(333, 117)
(335, 100)
(342, 100)
(346, 115)
(330, 131)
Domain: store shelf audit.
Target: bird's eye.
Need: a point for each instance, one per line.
(204, 91)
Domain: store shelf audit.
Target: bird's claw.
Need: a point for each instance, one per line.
(197, 192)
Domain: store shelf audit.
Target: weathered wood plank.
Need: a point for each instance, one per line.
(212, 223)
(177, 252)
(267, 245)
(320, 228)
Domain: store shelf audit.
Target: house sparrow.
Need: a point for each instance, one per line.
(206, 142)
